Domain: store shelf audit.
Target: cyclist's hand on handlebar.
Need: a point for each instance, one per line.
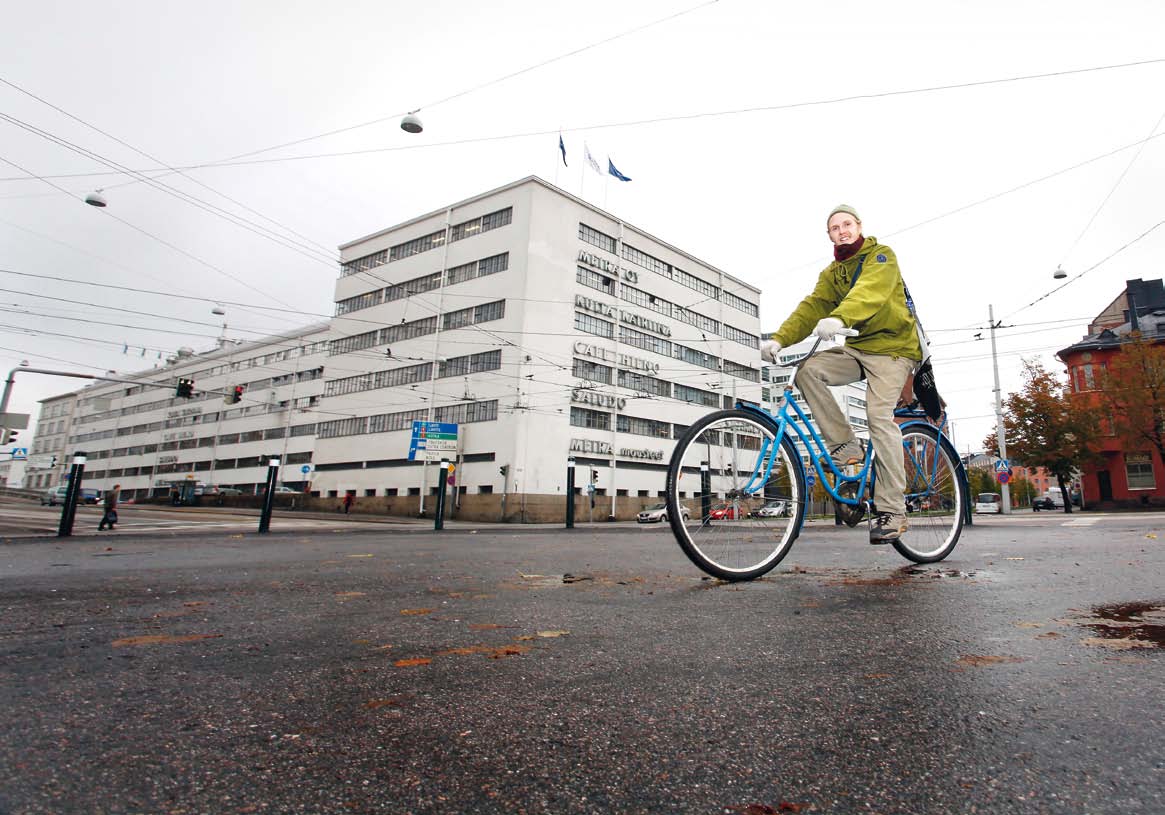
(769, 350)
(829, 327)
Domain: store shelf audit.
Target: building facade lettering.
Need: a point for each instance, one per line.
(586, 349)
(630, 318)
(590, 446)
(583, 396)
(604, 265)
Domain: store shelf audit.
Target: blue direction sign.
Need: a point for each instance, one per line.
(433, 441)
(305, 469)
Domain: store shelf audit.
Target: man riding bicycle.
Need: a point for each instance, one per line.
(862, 290)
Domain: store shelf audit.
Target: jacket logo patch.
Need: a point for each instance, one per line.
(880, 258)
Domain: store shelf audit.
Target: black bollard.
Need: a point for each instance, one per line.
(442, 479)
(705, 492)
(269, 496)
(570, 493)
(72, 495)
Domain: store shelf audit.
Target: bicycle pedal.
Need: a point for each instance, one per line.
(851, 514)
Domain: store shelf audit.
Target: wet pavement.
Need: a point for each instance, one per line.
(593, 671)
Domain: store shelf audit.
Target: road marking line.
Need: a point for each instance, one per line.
(1081, 522)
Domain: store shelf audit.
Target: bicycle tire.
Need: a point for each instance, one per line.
(744, 545)
(934, 488)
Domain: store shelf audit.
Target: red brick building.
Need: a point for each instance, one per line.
(1126, 477)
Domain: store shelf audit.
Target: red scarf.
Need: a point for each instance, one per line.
(845, 251)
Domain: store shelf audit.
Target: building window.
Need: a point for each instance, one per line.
(740, 304)
(474, 226)
(741, 371)
(696, 283)
(471, 364)
(642, 298)
(591, 371)
(593, 419)
(640, 258)
(698, 320)
(643, 427)
(467, 412)
(367, 300)
(416, 246)
(682, 352)
(365, 263)
(644, 383)
(593, 325)
(685, 393)
(742, 337)
(596, 238)
(591, 278)
(1139, 471)
(647, 342)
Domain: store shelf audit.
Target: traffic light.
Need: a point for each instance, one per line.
(10, 436)
(185, 388)
(594, 476)
(235, 395)
(505, 468)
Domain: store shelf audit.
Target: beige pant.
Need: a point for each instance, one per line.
(885, 377)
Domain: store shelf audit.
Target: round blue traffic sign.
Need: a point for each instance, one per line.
(305, 469)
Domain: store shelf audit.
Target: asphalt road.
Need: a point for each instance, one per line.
(593, 671)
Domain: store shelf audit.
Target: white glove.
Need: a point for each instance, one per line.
(769, 350)
(828, 327)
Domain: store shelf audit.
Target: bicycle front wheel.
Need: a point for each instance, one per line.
(743, 493)
(935, 500)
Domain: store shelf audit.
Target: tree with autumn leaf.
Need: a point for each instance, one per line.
(1132, 392)
(1045, 428)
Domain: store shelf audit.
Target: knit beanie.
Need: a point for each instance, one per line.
(846, 208)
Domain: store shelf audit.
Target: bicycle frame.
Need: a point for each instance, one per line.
(813, 443)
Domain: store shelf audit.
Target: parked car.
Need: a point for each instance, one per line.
(989, 502)
(724, 512)
(281, 490)
(56, 495)
(1043, 502)
(657, 513)
(773, 509)
(222, 491)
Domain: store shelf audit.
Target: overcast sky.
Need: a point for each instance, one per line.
(982, 190)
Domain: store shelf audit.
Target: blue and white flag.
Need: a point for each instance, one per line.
(562, 149)
(611, 169)
(591, 159)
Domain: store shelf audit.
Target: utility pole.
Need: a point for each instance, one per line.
(999, 429)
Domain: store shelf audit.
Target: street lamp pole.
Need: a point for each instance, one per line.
(999, 429)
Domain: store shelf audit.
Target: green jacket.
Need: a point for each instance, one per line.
(876, 306)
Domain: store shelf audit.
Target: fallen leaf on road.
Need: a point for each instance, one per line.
(1116, 645)
(415, 611)
(489, 651)
(156, 639)
(1029, 625)
(550, 634)
(359, 555)
(877, 676)
(1152, 536)
(195, 603)
(1049, 635)
(236, 536)
(978, 661)
(373, 704)
(409, 663)
(484, 626)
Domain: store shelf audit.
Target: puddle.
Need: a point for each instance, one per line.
(1140, 625)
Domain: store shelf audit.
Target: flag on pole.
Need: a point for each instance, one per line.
(591, 159)
(611, 169)
(562, 149)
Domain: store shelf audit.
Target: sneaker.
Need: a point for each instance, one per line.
(888, 527)
(845, 454)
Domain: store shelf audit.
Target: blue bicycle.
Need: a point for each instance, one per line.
(739, 476)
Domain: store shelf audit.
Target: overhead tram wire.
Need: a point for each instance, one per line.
(174, 192)
(1081, 274)
(141, 152)
(242, 161)
(164, 242)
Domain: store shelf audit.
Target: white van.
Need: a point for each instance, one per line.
(1054, 495)
(988, 502)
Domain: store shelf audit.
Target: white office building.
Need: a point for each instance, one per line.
(543, 327)
(146, 438)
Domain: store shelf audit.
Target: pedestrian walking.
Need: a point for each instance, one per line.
(110, 515)
(348, 500)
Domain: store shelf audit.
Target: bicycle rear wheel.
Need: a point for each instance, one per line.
(746, 504)
(935, 501)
